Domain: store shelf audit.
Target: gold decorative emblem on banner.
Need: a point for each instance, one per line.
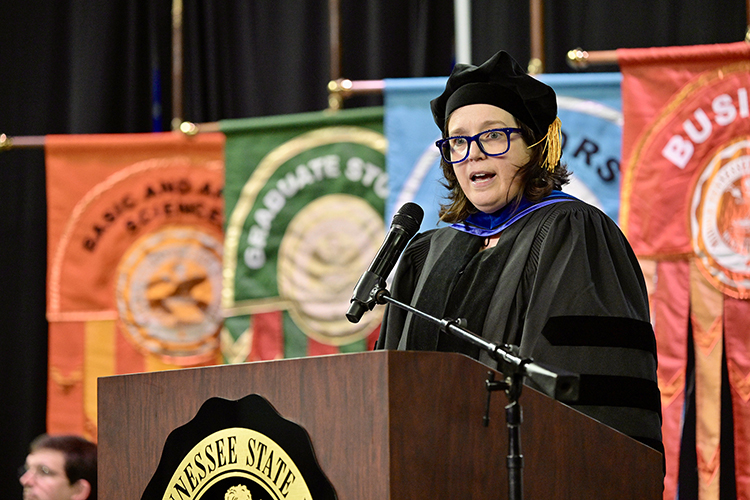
(323, 251)
(167, 293)
(720, 219)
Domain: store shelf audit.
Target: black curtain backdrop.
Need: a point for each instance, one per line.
(72, 67)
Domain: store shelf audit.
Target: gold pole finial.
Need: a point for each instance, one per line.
(536, 67)
(335, 102)
(337, 90)
(578, 58)
(5, 142)
(188, 128)
(342, 85)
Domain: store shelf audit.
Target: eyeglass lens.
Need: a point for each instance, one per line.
(491, 142)
(37, 470)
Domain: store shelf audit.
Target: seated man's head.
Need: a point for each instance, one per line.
(60, 468)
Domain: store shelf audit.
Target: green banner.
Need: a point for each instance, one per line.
(305, 200)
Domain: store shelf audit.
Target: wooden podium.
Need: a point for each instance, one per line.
(383, 425)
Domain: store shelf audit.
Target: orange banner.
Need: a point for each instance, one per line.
(685, 206)
(135, 236)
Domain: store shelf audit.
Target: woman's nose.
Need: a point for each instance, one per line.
(475, 152)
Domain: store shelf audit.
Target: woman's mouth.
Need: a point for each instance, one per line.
(481, 176)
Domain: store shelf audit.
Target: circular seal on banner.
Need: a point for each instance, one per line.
(324, 250)
(167, 294)
(720, 219)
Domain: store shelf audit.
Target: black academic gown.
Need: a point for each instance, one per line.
(563, 284)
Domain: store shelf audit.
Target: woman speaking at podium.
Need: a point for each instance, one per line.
(522, 262)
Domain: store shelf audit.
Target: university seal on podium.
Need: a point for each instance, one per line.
(238, 450)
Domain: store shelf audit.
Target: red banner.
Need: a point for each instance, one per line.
(685, 208)
(135, 235)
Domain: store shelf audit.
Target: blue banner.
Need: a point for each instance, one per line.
(591, 114)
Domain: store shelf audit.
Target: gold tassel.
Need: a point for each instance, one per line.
(553, 145)
(552, 149)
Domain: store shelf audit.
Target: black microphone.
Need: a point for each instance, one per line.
(405, 225)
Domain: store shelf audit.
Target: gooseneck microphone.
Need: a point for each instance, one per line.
(404, 226)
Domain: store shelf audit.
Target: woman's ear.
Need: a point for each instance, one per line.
(81, 490)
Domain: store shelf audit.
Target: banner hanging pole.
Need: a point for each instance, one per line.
(536, 14)
(21, 142)
(335, 100)
(579, 58)
(462, 24)
(343, 87)
(38, 141)
(177, 70)
(334, 21)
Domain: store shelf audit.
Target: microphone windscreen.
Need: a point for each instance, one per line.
(409, 217)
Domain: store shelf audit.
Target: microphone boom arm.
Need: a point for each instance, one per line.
(553, 382)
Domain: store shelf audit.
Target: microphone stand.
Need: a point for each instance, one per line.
(555, 383)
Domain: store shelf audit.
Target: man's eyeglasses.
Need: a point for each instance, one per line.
(37, 470)
(493, 142)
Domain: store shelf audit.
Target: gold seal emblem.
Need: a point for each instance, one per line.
(720, 219)
(240, 455)
(167, 294)
(321, 256)
(239, 492)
